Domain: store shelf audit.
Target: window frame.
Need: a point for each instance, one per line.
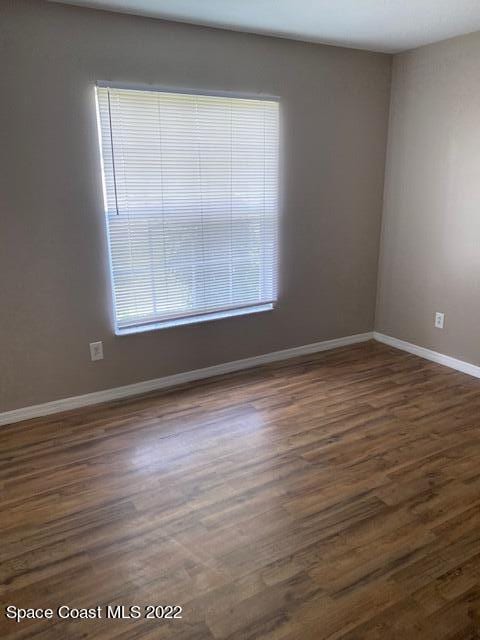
(193, 318)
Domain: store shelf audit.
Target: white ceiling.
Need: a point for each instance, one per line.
(378, 25)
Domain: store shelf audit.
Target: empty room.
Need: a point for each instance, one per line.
(240, 319)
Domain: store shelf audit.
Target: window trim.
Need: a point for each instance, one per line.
(107, 84)
(202, 317)
(194, 319)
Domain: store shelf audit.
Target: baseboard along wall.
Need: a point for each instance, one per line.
(117, 393)
(97, 397)
(428, 354)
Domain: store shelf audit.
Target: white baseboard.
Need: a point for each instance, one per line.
(66, 404)
(428, 354)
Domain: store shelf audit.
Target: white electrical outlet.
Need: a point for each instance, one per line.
(96, 350)
(439, 320)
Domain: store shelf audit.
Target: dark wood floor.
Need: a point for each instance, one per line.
(334, 496)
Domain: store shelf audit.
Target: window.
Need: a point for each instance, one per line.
(191, 203)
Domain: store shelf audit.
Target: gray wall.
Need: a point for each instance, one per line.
(54, 284)
(431, 227)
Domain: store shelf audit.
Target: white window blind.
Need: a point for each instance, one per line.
(191, 200)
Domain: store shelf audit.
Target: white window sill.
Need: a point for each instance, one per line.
(178, 322)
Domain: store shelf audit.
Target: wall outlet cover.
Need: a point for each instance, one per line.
(439, 320)
(96, 351)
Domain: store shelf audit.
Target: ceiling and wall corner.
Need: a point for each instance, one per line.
(387, 26)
